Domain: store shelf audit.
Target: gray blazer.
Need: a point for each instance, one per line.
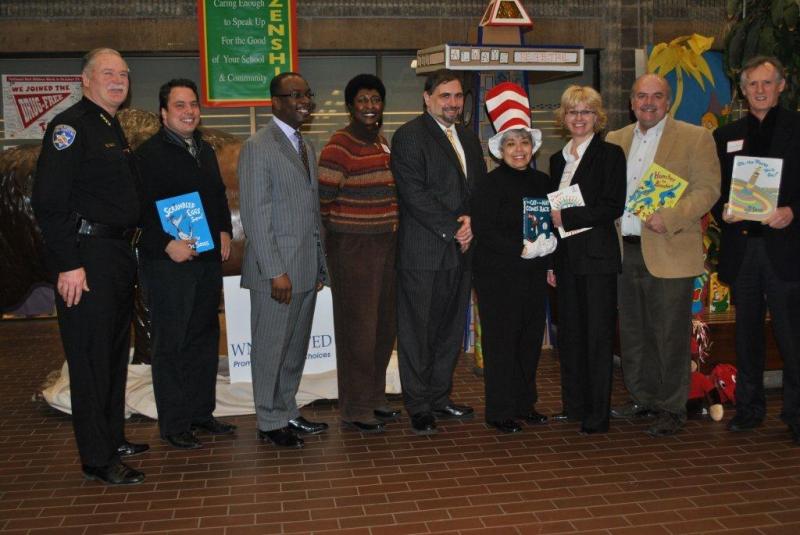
(279, 207)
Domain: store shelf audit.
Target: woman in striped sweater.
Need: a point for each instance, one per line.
(359, 210)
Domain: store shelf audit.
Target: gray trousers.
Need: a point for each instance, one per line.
(655, 317)
(278, 354)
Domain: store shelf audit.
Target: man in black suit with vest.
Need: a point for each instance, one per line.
(434, 162)
(760, 260)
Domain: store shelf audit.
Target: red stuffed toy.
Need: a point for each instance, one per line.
(707, 393)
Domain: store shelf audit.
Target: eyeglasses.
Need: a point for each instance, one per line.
(580, 113)
(297, 95)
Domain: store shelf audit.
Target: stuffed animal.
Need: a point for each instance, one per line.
(709, 393)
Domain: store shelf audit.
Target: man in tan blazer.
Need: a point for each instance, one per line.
(661, 257)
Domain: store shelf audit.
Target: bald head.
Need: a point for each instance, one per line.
(651, 98)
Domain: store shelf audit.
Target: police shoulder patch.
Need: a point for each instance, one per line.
(63, 136)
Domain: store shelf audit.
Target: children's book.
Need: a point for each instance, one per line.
(567, 198)
(184, 218)
(536, 218)
(754, 187)
(658, 188)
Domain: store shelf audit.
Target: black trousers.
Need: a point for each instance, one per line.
(96, 338)
(431, 312)
(512, 312)
(184, 305)
(363, 287)
(756, 288)
(587, 312)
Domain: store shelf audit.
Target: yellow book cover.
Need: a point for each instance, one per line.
(659, 188)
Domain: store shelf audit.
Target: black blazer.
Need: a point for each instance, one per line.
(602, 177)
(783, 245)
(432, 192)
(167, 169)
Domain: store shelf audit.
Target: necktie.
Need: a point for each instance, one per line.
(301, 148)
(452, 140)
(190, 146)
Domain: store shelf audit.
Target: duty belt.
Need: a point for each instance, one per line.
(101, 230)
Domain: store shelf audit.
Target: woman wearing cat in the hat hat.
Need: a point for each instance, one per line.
(509, 272)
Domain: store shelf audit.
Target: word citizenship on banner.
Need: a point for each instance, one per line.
(244, 44)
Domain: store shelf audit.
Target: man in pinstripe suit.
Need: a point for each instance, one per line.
(434, 162)
(284, 262)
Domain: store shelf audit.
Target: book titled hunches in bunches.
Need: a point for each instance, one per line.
(658, 188)
(755, 183)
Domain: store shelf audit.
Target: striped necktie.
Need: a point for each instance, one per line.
(301, 148)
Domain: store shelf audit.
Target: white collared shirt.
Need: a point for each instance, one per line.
(572, 161)
(290, 133)
(640, 157)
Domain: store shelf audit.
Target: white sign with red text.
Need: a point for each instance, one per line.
(31, 101)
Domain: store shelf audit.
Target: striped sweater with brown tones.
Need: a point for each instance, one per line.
(356, 187)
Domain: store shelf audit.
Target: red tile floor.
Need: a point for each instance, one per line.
(467, 479)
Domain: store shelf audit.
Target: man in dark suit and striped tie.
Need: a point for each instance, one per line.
(434, 162)
(284, 262)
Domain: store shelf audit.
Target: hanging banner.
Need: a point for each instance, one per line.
(31, 101)
(244, 44)
(321, 355)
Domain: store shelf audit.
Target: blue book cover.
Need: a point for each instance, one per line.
(184, 218)
(536, 218)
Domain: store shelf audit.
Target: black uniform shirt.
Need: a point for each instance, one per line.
(84, 168)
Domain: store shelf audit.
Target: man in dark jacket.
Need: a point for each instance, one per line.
(183, 285)
(760, 260)
(434, 162)
(84, 198)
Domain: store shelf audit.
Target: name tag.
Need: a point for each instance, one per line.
(735, 145)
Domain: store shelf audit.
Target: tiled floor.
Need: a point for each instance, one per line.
(467, 479)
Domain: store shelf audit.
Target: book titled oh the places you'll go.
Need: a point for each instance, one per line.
(183, 218)
(755, 185)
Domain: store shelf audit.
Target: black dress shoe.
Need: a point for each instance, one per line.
(667, 424)
(535, 417)
(561, 417)
(129, 449)
(365, 427)
(283, 437)
(632, 410)
(743, 423)
(116, 473)
(454, 412)
(301, 425)
(214, 427)
(506, 426)
(386, 414)
(423, 423)
(184, 440)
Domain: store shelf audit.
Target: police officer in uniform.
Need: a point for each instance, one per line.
(85, 201)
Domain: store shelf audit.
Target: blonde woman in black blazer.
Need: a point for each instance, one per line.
(587, 264)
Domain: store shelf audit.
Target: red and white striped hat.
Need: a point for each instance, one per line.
(509, 109)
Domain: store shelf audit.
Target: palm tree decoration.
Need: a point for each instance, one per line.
(682, 54)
